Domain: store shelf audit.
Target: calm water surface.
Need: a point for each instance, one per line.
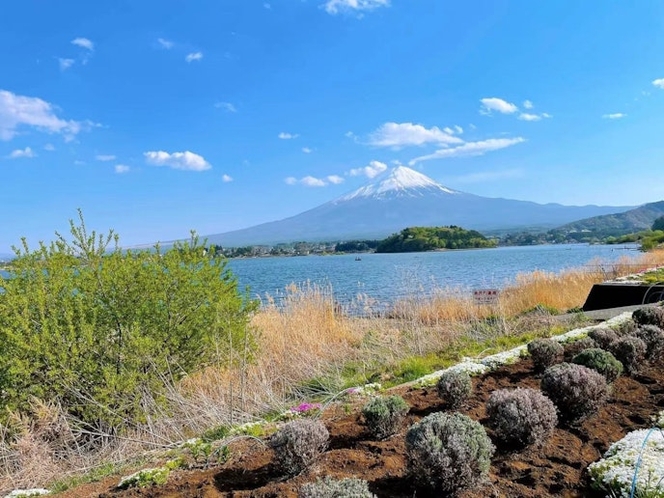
(386, 277)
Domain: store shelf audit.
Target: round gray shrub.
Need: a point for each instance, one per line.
(384, 415)
(521, 417)
(298, 444)
(601, 361)
(575, 347)
(626, 328)
(653, 337)
(649, 315)
(577, 391)
(336, 488)
(448, 452)
(631, 352)
(545, 352)
(455, 387)
(604, 337)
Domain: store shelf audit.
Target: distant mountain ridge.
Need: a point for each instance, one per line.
(633, 220)
(400, 198)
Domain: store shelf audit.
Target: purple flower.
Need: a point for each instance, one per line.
(305, 407)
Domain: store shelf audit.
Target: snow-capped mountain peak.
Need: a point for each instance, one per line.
(398, 182)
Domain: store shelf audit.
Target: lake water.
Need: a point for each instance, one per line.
(387, 277)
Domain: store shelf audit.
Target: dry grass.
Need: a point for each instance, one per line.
(305, 337)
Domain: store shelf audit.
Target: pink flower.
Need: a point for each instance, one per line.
(305, 407)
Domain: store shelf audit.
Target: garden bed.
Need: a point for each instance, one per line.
(556, 469)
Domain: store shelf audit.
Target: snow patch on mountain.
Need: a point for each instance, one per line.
(399, 182)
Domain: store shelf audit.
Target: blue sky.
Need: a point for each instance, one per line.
(157, 117)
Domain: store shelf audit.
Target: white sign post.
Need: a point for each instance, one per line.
(485, 296)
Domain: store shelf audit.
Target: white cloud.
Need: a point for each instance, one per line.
(287, 136)
(498, 105)
(194, 56)
(49, 147)
(374, 169)
(121, 168)
(312, 181)
(615, 115)
(65, 64)
(307, 150)
(337, 6)
(397, 135)
(659, 83)
(470, 149)
(524, 116)
(83, 43)
(226, 178)
(458, 129)
(178, 160)
(163, 43)
(227, 106)
(105, 157)
(78, 162)
(546, 115)
(20, 153)
(528, 104)
(17, 111)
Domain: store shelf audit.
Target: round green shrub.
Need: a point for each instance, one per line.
(604, 337)
(577, 391)
(336, 488)
(455, 387)
(575, 347)
(653, 337)
(521, 417)
(448, 452)
(649, 315)
(545, 352)
(384, 415)
(601, 361)
(298, 444)
(631, 352)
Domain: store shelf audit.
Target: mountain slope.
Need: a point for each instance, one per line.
(634, 220)
(402, 198)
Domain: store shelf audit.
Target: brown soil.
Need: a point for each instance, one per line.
(556, 469)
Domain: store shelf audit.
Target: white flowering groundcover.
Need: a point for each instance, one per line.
(632, 467)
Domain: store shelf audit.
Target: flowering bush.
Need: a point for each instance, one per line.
(336, 488)
(653, 337)
(630, 351)
(649, 315)
(545, 352)
(384, 415)
(575, 347)
(577, 391)
(455, 387)
(298, 444)
(521, 417)
(603, 336)
(615, 472)
(448, 452)
(601, 361)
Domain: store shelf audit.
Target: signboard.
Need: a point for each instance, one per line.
(485, 296)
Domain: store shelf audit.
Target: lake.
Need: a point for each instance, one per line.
(387, 277)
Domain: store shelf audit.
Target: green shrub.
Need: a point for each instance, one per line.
(626, 328)
(601, 361)
(649, 315)
(448, 452)
(577, 391)
(575, 347)
(604, 337)
(545, 352)
(455, 387)
(521, 417)
(384, 415)
(298, 444)
(631, 352)
(336, 488)
(653, 337)
(94, 328)
(145, 477)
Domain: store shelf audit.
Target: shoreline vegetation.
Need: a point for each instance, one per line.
(304, 349)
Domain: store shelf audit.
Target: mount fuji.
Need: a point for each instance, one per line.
(400, 198)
